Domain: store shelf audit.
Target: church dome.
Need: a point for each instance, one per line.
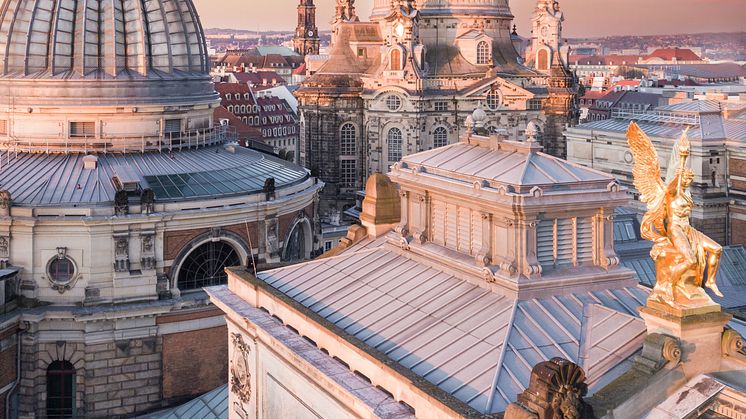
(126, 75)
(470, 8)
(68, 42)
(67, 38)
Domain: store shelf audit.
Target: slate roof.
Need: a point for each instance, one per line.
(413, 311)
(60, 179)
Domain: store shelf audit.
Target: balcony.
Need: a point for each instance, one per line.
(121, 144)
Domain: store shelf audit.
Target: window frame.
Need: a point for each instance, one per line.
(391, 139)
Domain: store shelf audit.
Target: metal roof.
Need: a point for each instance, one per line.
(60, 179)
(505, 165)
(211, 405)
(717, 127)
(473, 343)
(731, 277)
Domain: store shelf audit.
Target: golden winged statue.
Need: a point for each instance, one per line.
(683, 256)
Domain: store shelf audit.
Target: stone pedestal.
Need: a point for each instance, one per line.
(699, 334)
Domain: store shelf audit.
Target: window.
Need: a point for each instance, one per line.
(534, 104)
(347, 139)
(493, 99)
(393, 102)
(441, 106)
(395, 64)
(327, 245)
(3, 127)
(348, 173)
(228, 96)
(483, 53)
(394, 138)
(60, 390)
(440, 137)
(61, 269)
(361, 52)
(172, 126)
(543, 60)
(205, 265)
(82, 129)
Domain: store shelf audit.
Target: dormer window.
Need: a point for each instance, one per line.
(483, 53)
(494, 100)
(393, 102)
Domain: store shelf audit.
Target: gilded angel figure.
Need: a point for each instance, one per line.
(682, 255)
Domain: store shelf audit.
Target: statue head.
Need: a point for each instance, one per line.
(687, 177)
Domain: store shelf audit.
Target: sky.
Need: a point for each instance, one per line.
(582, 17)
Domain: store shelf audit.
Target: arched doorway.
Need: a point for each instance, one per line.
(205, 265)
(60, 390)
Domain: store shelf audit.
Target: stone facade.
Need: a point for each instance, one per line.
(407, 80)
(717, 158)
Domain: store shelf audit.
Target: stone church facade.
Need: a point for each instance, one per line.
(406, 80)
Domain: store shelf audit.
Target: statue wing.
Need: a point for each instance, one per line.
(647, 168)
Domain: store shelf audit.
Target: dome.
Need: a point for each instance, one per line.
(111, 76)
(52, 55)
(471, 8)
(50, 38)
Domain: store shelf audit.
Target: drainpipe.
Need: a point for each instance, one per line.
(18, 369)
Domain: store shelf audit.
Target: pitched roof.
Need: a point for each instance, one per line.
(412, 311)
(680, 54)
(510, 164)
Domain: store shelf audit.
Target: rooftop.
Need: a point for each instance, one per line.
(61, 180)
(411, 311)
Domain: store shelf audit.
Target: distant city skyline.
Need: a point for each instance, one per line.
(585, 18)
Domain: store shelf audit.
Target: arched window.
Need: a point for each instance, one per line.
(205, 265)
(440, 137)
(543, 60)
(60, 390)
(483, 53)
(295, 249)
(347, 138)
(395, 59)
(394, 138)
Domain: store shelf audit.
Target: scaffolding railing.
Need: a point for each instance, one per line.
(656, 116)
(217, 134)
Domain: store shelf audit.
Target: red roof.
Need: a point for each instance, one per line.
(604, 59)
(301, 70)
(680, 54)
(593, 95)
(244, 130)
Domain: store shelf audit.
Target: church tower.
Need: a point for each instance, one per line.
(546, 35)
(306, 40)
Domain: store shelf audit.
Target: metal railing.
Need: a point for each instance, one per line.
(218, 134)
(656, 116)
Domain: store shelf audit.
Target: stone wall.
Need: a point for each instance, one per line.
(123, 377)
(8, 352)
(194, 362)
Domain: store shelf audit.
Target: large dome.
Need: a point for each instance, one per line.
(433, 8)
(81, 76)
(70, 38)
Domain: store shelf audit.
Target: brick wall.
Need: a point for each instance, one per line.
(194, 362)
(737, 167)
(737, 227)
(7, 370)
